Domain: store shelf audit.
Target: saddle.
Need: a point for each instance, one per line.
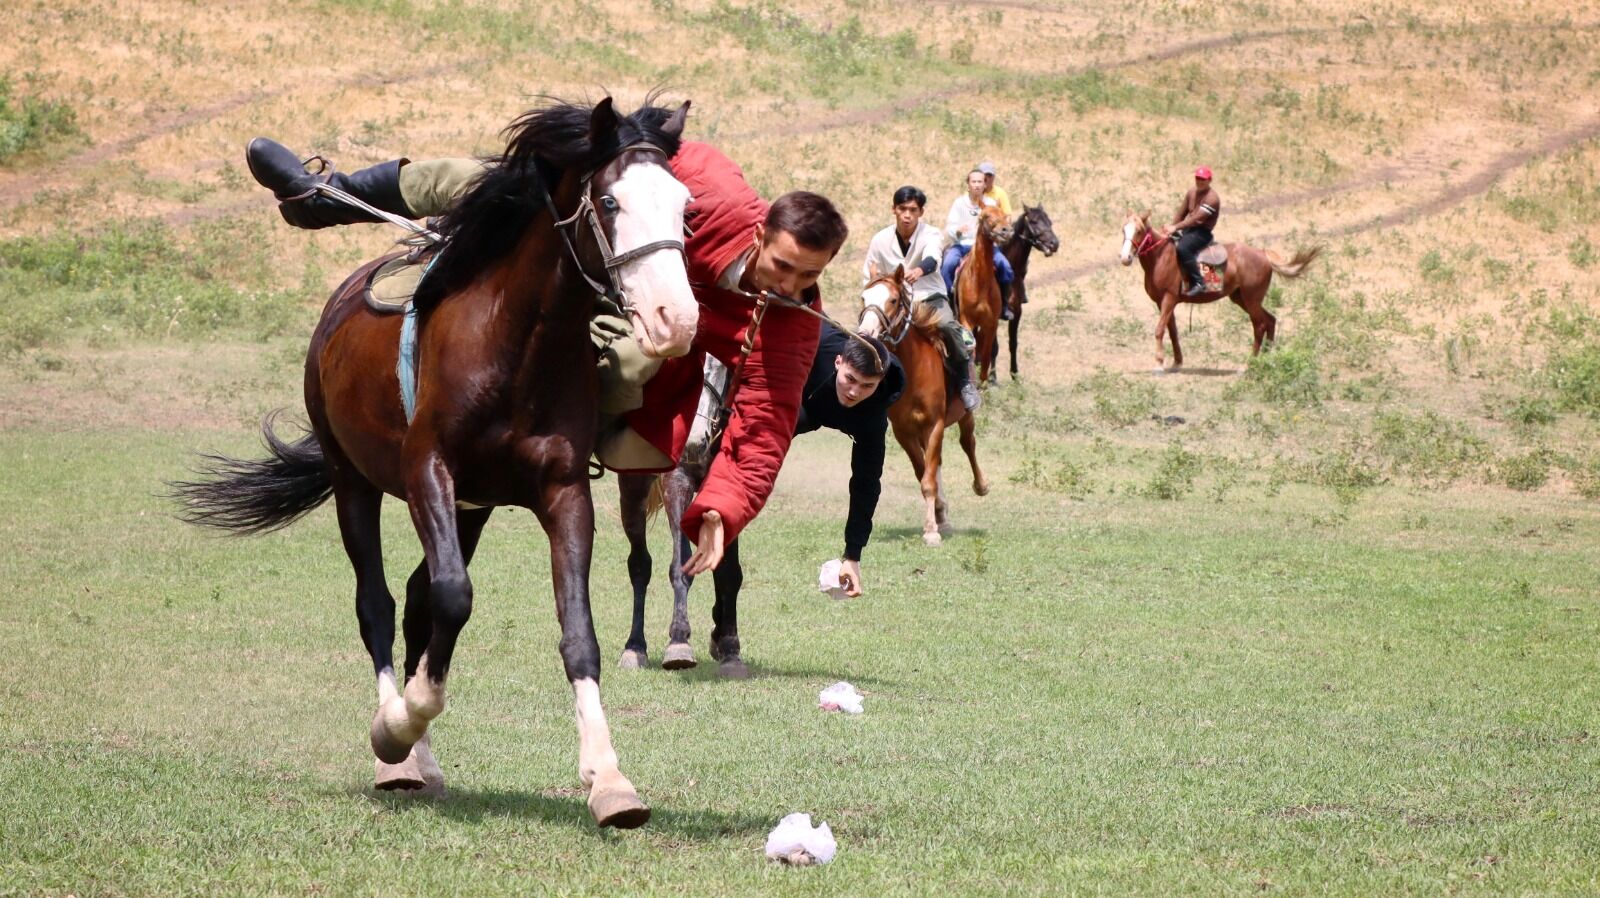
(1213, 265)
(391, 285)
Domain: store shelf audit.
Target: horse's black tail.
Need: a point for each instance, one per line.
(257, 496)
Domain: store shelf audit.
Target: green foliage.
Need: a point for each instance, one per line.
(1287, 375)
(1581, 252)
(137, 278)
(1174, 475)
(1527, 470)
(1531, 411)
(1427, 448)
(1118, 399)
(1053, 474)
(29, 122)
(1585, 474)
(1574, 375)
(831, 56)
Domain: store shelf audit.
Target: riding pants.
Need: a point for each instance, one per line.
(955, 336)
(952, 261)
(1189, 244)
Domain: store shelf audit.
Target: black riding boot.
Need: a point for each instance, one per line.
(1005, 302)
(1197, 281)
(278, 169)
(960, 365)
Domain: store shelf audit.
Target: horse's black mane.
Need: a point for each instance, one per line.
(490, 218)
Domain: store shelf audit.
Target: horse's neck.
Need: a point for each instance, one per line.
(983, 250)
(545, 310)
(1017, 250)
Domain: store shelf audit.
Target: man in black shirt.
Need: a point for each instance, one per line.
(850, 388)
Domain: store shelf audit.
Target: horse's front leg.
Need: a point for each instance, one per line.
(566, 511)
(635, 492)
(729, 579)
(930, 485)
(678, 488)
(403, 718)
(969, 445)
(1164, 320)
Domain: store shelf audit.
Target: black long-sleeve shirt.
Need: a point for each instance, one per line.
(866, 423)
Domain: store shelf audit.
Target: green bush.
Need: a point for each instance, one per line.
(1288, 374)
(27, 123)
(1428, 448)
(1527, 471)
(1117, 399)
(1574, 374)
(1174, 475)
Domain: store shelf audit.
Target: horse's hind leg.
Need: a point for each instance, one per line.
(679, 486)
(420, 770)
(1016, 321)
(930, 486)
(635, 491)
(969, 445)
(1263, 324)
(402, 719)
(729, 579)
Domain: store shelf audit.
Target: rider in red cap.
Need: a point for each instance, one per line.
(1192, 227)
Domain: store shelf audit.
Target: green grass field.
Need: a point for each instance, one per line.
(1124, 696)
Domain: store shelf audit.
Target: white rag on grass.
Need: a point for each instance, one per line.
(841, 696)
(828, 580)
(796, 841)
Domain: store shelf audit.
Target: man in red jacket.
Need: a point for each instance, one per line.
(737, 246)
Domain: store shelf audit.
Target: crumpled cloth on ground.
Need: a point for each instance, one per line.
(828, 580)
(795, 841)
(841, 696)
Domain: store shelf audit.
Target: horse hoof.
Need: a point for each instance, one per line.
(733, 669)
(386, 747)
(417, 776)
(618, 807)
(633, 660)
(933, 540)
(946, 529)
(679, 657)
(980, 487)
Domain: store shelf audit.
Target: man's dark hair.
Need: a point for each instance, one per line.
(866, 354)
(909, 194)
(810, 218)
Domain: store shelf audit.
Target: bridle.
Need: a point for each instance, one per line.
(1030, 238)
(588, 215)
(894, 327)
(1149, 242)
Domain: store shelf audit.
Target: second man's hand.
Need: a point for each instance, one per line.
(708, 550)
(850, 577)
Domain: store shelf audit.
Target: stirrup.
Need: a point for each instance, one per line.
(324, 171)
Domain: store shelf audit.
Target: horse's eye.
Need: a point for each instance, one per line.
(609, 202)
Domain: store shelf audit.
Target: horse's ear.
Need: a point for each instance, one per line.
(900, 272)
(602, 122)
(674, 123)
(872, 271)
(1145, 215)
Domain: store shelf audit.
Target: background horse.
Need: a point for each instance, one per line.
(505, 414)
(1032, 230)
(928, 405)
(1245, 281)
(640, 495)
(977, 291)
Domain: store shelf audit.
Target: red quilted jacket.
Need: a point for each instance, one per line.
(722, 216)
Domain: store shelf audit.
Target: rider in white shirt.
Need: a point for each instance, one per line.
(961, 230)
(915, 245)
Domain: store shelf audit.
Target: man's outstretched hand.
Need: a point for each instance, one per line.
(850, 577)
(708, 550)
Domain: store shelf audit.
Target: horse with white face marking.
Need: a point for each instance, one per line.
(506, 409)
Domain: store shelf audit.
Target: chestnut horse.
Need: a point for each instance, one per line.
(1245, 281)
(505, 413)
(977, 291)
(1032, 230)
(928, 405)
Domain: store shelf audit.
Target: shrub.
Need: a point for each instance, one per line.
(27, 123)
(1527, 471)
(1427, 447)
(1287, 374)
(1119, 400)
(1574, 374)
(1174, 474)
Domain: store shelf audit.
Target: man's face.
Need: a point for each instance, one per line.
(783, 266)
(1202, 184)
(906, 216)
(988, 183)
(975, 183)
(854, 387)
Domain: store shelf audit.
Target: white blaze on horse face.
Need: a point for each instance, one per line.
(1127, 243)
(874, 297)
(650, 208)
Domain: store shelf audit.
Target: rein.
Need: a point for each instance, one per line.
(1150, 242)
(892, 333)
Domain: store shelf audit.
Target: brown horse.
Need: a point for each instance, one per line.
(505, 409)
(1245, 281)
(928, 405)
(977, 291)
